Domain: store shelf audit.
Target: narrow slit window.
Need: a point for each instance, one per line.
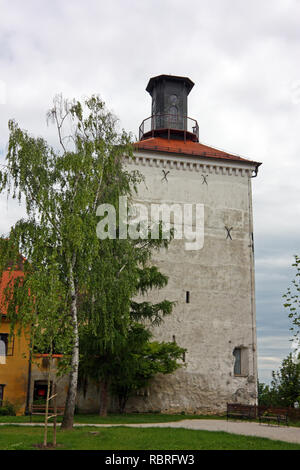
(237, 363)
(187, 297)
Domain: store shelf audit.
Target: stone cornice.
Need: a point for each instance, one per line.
(189, 163)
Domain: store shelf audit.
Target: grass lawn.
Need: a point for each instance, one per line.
(130, 418)
(20, 438)
(112, 418)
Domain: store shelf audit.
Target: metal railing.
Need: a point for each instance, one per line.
(169, 122)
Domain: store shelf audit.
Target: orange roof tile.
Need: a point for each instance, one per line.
(188, 148)
(7, 276)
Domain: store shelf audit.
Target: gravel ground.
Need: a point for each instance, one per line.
(280, 433)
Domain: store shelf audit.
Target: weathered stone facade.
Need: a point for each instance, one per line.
(220, 315)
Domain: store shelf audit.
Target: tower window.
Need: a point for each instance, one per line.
(241, 361)
(237, 363)
(173, 111)
(187, 297)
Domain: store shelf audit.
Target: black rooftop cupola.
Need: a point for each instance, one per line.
(169, 111)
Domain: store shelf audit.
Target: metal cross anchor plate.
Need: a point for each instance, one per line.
(165, 175)
(228, 232)
(204, 179)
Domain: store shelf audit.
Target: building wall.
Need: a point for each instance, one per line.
(221, 314)
(14, 374)
(14, 371)
(219, 277)
(18, 379)
(87, 400)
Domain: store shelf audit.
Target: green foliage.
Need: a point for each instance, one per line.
(284, 390)
(125, 438)
(40, 401)
(292, 299)
(114, 418)
(132, 360)
(266, 395)
(140, 360)
(286, 382)
(65, 261)
(131, 365)
(62, 191)
(7, 409)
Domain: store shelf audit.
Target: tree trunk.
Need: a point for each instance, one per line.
(54, 393)
(68, 419)
(47, 400)
(122, 403)
(103, 398)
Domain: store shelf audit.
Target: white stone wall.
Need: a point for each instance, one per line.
(219, 277)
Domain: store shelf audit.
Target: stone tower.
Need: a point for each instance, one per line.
(214, 318)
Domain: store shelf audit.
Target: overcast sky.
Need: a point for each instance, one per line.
(244, 60)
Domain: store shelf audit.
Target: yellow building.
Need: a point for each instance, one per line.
(14, 356)
(23, 379)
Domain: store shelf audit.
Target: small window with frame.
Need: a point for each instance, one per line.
(6, 347)
(3, 347)
(237, 363)
(240, 362)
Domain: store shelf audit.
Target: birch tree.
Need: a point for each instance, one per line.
(62, 187)
(292, 300)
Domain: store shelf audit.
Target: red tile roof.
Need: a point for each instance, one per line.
(188, 148)
(7, 276)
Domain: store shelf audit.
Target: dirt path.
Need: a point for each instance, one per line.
(280, 433)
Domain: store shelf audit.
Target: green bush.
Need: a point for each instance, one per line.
(7, 409)
(40, 401)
